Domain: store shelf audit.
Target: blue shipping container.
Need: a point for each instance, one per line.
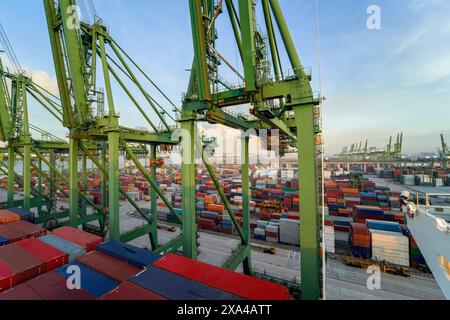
(24, 214)
(3, 241)
(384, 226)
(360, 252)
(73, 250)
(92, 281)
(128, 253)
(175, 287)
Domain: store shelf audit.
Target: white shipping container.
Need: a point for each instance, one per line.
(260, 232)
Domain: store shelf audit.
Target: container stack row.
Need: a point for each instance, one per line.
(42, 269)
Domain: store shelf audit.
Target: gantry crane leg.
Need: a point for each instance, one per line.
(11, 175)
(73, 181)
(113, 185)
(188, 185)
(154, 202)
(245, 168)
(309, 225)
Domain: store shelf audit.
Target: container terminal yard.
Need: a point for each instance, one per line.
(141, 231)
(363, 213)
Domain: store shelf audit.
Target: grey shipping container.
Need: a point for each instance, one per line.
(73, 250)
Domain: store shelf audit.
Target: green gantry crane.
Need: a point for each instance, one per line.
(15, 130)
(392, 152)
(444, 153)
(285, 102)
(82, 54)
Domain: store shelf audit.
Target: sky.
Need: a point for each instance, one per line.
(377, 83)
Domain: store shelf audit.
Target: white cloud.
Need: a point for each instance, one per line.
(40, 77)
(44, 80)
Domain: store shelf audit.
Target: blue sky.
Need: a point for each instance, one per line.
(377, 83)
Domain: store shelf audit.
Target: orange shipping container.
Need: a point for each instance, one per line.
(215, 208)
(346, 190)
(7, 216)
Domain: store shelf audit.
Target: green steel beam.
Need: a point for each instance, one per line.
(309, 225)
(21, 103)
(136, 233)
(114, 183)
(236, 258)
(246, 15)
(83, 210)
(218, 116)
(245, 171)
(152, 182)
(172, 246)
(272, 40)
(74, 58)
(199, 38)
(188, 185)
(11, 175)
(153, 201)
(287, 38)
(59, 61)
(104, 186)
(73, 182)
(223, 197)
(105, 175)
(136, 82)
(236, 25)
(132, 98)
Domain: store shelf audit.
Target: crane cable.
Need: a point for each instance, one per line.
(322, 148)
(9, 50)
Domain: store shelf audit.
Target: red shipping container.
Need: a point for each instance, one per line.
(29, 229)
(6, 277)
(361, 244)
(329, 223)
(129, 291)
(22, 263)
(82, 238)
(21, 292)
(12, 234)
(109, 266)
(235, 283)
(359, 228)
(342, 228)
(360, 237)
(50, 256)
(51, 286)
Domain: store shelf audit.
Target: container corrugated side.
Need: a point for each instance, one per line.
(130, 291)
(6, 277)
(51, 257)
(7, 216)
(21, 292)
(222, 279)
(79, 237)
(109, 266)
(175, 287)
(29, 229)
(51, 286)
(73, 250)
(22, 263)
(128, 253)
(93, 282)
(24, 214)
(12, 234)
